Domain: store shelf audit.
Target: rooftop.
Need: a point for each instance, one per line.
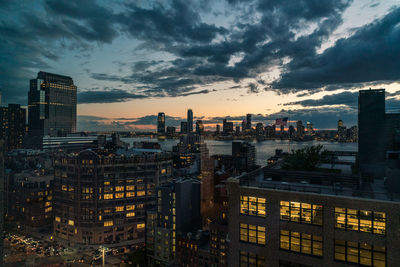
(317, 183)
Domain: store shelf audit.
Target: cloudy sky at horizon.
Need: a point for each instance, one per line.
(223, 58)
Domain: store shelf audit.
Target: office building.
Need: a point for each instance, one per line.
(291, 132)
(199, 127)
(13, 126)
(243, 155)
(52, 105)
(2, 199)
(270, 131)
(218, 128)
(184, 127)
(31, 198)
(102, 197)
(300, 129)
(237, 131)
(171, 130)
(378, 132)
(310, 129)
(260, 129)
(248, 122)
(227, 127)
(161, 123)
(290, 218)
(178, 211)
(190, 121)
(341, 132)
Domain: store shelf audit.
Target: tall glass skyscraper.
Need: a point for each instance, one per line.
(52, 105)
(161, 123)
(190, 121)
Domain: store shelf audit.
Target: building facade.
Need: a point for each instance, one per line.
(12, 126)
(189, 121)
(161, 123)
(101, 197)
(297, 223)
(52, 105)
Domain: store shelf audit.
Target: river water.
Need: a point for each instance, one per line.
(264, 149)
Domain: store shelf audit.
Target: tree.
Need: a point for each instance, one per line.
(306, 159)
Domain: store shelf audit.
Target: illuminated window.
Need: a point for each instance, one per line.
(360, 220)
(108, 223)
(119, 188)
(248, 259)
(301, 212)
(64, 188)
(71, 222)
(108, 196)
(119, 195)
(107, 183)
(130, 207)
(252, 234)
(302, 243)
(141, 193)
(130, 194)
(58, 219)
(49, 209)
(119, 208)
(254, 206)
(360, 253)
(130, 214)
(130, 187)
(48, 203)
(140, 225)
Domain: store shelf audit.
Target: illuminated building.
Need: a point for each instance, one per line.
(378, 132)
(260, 129)
(13, 126)
(184, 127)
(101, 197)
(161, 123)
(178, 210)
(31, 199)
(189, 121)
(291, 218)
(310, 129)
(52, 105)
(341, 132)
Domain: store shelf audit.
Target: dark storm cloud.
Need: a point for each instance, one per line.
(110, 96)
(345, 98)
(371, 54)
(261, 35)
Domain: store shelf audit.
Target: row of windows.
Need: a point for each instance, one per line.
(348, 219)
(249, 259)
(301, 212)
(360, 253)
(360, 220)
(252, 233)
(254, 206)
(121, 195)
(301, 243)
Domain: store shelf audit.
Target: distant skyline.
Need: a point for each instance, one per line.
(219, 58)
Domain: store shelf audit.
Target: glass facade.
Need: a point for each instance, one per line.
(301, 243)
(254, 206)
(252, 234)
(360, 220)
(360, 253)
(301, 212)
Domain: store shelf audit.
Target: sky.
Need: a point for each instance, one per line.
(303, 59)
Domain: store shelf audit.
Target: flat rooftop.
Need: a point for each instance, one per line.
(316, 183)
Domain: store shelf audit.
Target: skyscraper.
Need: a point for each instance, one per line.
(161, 123)
(300, 129)
(12, 125)
(52, 105)
(184, 127)
(1, 199)
(190, 121)
(248, 121)
(199, 127)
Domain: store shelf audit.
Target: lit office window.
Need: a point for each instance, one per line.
(130, 207)
(140, 225)
(141, 193)
(360, 253)
(302, 243)
(130, 214)
(360, 220)
(254, 206)
(108, 223)
(108, 196)
(130, 194)
(248, 259)
(119, 195)
(119, 188)
(252, 234)
(119, 208)
(130, 188)
(301, 212)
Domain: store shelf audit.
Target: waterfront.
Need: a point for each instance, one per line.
(264, 149)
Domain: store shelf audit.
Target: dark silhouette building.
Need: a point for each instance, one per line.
(52, 105)
(190, 121)
(243, 155)
(161, 123)
(184, 127)
(199, 127)
(377, 132)
(248, 122)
